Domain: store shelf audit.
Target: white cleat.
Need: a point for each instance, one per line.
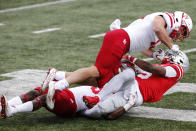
(49, 77)
(49, 98)
(5, 112)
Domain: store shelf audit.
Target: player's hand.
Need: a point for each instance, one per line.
(175, 48)
(158, 54)
(115, 24)
(127, 61)
(117, 113)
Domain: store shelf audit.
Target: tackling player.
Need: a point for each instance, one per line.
(147, 86)
(141, 35)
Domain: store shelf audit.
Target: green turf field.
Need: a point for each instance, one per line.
(70, 48)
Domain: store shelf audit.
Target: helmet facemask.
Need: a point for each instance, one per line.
(179, 58)
(182, 31)
(180, 34)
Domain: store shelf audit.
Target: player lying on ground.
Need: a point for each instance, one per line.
(68, 102)
(142, 35)
(147, 86)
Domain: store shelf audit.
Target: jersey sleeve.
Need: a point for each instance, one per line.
(174, 70)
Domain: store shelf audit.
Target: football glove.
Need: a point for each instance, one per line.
(175, 48)
(158, 54)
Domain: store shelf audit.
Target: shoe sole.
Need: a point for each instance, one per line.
(49, 103)
(49, 99)
(50, 76)
(3, 105)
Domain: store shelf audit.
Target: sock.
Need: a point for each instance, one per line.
(60, 75)
(62, 84)
(26, 107)
(14, 101)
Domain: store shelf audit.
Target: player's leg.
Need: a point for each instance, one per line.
(29, 95)
(8, 110)
(114, 85)
(23, 98)
(77, 76)
(54, 75)
(14, 101)
(109, 105)
(114, 46)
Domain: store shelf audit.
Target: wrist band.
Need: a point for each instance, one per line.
(133, 59)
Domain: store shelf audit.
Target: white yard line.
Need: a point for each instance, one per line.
(25, 80)
(46, 30)
(96, 36)
(1, 24)
(34, 6)
(161, 113)
(189, 50)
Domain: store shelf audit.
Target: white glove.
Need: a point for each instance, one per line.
(115, 24)
(130, 103)
(175, 48)
(158, 54)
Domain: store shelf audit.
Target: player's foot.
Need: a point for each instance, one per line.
(90, 101)
(50, 96)
(5, 112)
(49, 77)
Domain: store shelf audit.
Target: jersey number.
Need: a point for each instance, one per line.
(144, 75)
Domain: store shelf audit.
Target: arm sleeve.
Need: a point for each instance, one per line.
(170, 72)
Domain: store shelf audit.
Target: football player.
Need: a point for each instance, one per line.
(142, 35)
(68, 102)
(146, 86)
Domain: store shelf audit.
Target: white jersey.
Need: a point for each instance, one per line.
(81, 91)
(141, 34)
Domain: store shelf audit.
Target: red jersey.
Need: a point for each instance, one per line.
(152, 87)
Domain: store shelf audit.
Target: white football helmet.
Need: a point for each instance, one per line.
(183, 26)
(178, 57)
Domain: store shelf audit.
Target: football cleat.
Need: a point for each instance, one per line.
(5, 112)
(50, 96)
(49, 77)
(90, 101)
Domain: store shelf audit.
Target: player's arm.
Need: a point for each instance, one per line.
(115, 114)
(159, 26)
(146, 66)
(154, 69)
(148, 53)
